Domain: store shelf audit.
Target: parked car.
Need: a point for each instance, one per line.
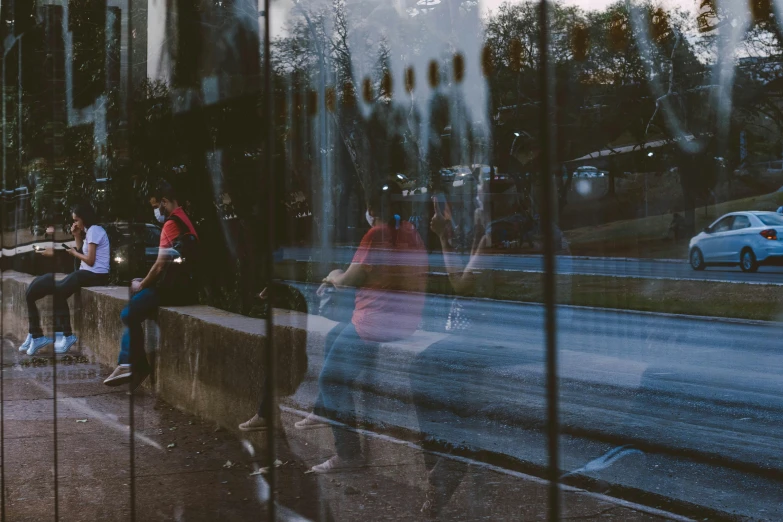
(747, 239)
(134, 249)
(587, 172)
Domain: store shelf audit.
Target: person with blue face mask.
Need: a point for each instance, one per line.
(159, 217)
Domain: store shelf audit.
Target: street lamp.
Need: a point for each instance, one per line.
(516, 136)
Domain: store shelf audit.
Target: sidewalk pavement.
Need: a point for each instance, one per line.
(187, 469)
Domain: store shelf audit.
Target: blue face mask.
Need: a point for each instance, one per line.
(158, 216)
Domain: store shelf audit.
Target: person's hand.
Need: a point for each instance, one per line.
(332, 275)
(136, 286)
(323, 288)
(71, 252)
(441, 220)
(46, 252)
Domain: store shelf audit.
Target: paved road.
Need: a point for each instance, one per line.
(607, 266)
(699, 398)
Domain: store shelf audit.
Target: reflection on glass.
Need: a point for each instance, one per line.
(387, 222)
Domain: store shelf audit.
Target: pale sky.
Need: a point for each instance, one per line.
(590, 4)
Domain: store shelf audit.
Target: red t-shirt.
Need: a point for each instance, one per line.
(171, 230)
(389, 303)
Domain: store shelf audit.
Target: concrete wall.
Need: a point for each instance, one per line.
(207, 361)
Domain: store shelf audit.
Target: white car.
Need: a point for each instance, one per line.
(587, 172)
(747, 239)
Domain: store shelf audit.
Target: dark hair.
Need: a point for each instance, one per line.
(86, 213)
(165, 190)
(385, 200)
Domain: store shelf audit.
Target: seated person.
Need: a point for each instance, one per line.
(92, 250)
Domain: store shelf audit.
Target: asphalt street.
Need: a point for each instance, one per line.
(605, 266)
(695, 398)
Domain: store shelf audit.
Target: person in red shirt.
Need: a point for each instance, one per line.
(389, 271)
(132, 365)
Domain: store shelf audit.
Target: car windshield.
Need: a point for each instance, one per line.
(771, 219)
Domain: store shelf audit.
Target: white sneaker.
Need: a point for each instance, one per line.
(310, 422)
(257, 423)
(64, 343)
(336, 464)
(37, 344)
(26, 344)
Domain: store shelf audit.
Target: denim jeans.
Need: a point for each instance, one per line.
(61, 290)
(142, 306)
(349, 356)
(318, 407)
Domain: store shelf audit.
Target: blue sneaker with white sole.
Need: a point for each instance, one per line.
(38, 344)
(64, 343)
(26, 344)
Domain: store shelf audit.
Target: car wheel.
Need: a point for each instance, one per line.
(748, 261)
(697, 260)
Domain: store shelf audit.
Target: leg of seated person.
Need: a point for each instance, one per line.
(39, 288)
(64, 289)
(142, 306)
(349, 356)
(132, 358)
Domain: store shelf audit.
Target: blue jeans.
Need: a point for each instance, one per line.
(348, 357)
(318, 407)
(141, 307)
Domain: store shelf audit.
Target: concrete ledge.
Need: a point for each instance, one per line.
(207, 362)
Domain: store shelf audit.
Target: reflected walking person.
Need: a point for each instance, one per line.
(444, 373)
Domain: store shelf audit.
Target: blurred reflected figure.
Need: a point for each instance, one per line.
(442, 373)
(388, 271)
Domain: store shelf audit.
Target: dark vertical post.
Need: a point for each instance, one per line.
(53, 43)
(270, 377)
(547, 219)
(19, 110)
(129, 125)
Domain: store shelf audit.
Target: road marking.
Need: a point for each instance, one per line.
(605, 461)
(644, 277)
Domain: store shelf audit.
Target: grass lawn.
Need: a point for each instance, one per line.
(713, 299)
(645, 237)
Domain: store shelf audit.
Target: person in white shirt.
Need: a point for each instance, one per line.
(92, 249)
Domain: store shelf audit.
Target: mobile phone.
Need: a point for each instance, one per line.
(37, 248)
(66, 247)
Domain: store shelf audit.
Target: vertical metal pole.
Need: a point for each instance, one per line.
(52, 47)
(2, 349)
(20, 170)
(547, 220)
(19, 102)
(5, 146)
(270, 377)
(129, 122)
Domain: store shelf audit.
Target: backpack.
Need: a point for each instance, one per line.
(180, 275)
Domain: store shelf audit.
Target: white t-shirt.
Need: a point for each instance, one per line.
(97, 236)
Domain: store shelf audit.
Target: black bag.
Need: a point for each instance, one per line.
(179, 278)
